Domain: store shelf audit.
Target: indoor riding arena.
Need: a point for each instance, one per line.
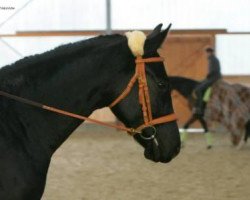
(124, 100)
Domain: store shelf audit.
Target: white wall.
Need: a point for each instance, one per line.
(184, 14)
(127, 14)
(234, 53)
(54, 15)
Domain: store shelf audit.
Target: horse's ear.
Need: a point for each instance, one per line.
(156, 31)
(153, 43)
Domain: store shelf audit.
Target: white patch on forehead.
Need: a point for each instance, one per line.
(136, 40)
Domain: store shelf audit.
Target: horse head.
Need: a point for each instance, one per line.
(160, 140)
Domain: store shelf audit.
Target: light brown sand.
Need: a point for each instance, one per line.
(101, 164)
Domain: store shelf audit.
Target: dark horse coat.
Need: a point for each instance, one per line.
(79, 78)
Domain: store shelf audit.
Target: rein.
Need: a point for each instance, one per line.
(144, 100)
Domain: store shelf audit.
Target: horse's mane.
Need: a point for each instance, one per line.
(44, 65)
(77, 48)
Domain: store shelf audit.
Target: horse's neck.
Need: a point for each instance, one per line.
(76, 87)
(184, 86)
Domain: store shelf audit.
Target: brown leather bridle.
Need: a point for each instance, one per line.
(144, 100)
(144, 97)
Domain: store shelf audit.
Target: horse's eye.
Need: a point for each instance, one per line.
(162, 84)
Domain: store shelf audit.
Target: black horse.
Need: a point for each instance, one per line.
(186, 88)
(79, 77)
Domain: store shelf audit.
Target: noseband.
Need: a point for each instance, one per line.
(144, 98)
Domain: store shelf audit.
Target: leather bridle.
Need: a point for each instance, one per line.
(144, 100)
(144, 97)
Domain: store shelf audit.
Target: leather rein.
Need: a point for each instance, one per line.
(144, 100)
